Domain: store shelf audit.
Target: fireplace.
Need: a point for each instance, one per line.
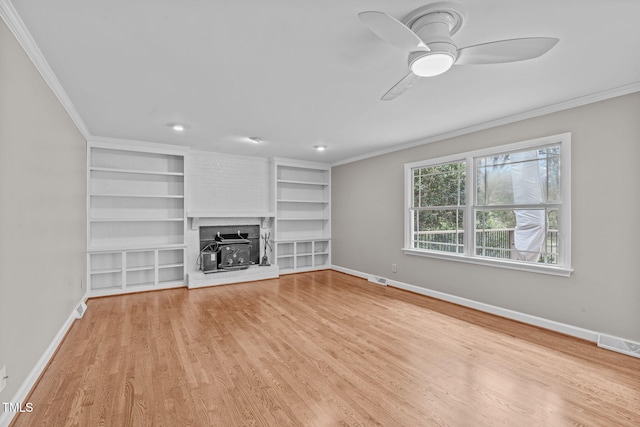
(229, 247)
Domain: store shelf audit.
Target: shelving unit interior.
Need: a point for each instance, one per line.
(170, 265)
(134, 234)
(170, 257)
(119, 270)
(136, 209)
(105, 281)
(303, 213)
(124, 183)
(296, 210)
(285, 250)
(140, 278)
(304, 248)
(140, 260)
(303, 255)
(302, 174)
(321, 247)
(109, 158)
(114, 207)
(105, 270)
(302, 229)
(106, 262)
(170, 274)
(302, 192)
(286, 264)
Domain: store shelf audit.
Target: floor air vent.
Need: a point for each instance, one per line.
(82, 308)
(379, 280)
(617, 344)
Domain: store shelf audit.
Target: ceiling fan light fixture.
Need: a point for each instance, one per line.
(432, 64)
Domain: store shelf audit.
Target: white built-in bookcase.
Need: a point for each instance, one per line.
(136, 217)
(302, 192)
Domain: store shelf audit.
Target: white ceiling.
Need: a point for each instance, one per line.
(300, 73)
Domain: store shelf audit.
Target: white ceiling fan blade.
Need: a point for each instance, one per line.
(400, 87)
(393, 31)
(505, 51)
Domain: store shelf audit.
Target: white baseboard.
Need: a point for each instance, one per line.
(575, 331)
(32, 378)
(350, 272)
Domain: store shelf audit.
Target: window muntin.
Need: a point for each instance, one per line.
(515, 199)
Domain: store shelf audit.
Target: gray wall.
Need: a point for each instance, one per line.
(42, 214)
(602, 294)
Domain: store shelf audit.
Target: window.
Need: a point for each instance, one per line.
(514, 200)
(438, 207)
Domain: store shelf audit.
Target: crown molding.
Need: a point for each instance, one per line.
(134, 145)
(554, 108)
(19, 30)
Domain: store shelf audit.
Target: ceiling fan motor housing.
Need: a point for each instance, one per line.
(435, 30)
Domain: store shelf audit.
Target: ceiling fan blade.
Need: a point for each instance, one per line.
(400, 87)
(505, 51)
(393, 31)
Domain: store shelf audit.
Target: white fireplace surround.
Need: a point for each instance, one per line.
(196, 278)
(226, 189)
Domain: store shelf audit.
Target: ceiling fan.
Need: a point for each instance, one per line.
(425, 35)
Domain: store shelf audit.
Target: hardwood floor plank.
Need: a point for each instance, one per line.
(323, 349)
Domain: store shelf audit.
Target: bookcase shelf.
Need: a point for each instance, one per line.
(140, 196)
(138, 171)
(295, 182)
(136, 218)
(302, 196)
(322, 202)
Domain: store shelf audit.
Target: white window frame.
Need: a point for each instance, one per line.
(562, 268)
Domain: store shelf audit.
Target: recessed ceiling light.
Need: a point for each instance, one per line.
(177, 127)
(320, 147)
(255, 139)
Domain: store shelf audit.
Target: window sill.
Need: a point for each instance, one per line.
(533, 268)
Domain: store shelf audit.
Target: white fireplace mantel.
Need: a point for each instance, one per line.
(196, 216)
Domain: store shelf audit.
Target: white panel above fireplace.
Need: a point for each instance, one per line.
(224, 185)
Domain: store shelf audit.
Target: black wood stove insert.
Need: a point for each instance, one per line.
(229, 247)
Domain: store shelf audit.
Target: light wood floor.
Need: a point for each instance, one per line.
(323, 349)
